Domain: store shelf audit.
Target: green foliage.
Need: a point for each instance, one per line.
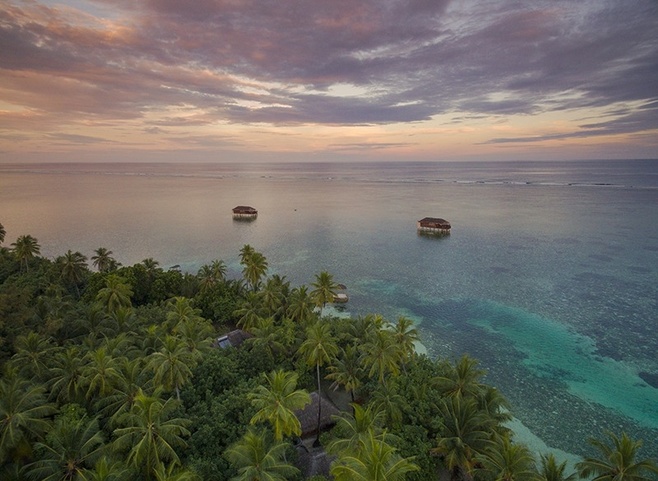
(91, 383)
(551, 470)
(257, 458)
(373, 460)
(506, 461)
(617, 461)
(277, 401)
(217, 422)
(23, 415)
(151, 434)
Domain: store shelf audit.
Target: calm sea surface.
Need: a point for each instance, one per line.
(550, 275)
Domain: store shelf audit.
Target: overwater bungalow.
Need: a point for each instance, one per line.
(244, 212)
(434, 225)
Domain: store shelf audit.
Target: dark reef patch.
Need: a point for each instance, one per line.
(650, 378)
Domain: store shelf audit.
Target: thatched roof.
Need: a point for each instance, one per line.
(244, 209)
(308, 416)
(434, 222)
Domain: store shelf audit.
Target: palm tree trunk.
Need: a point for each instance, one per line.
(317, 439)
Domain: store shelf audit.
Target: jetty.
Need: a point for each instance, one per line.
(434, 225)
(244, 212)
(341, 297)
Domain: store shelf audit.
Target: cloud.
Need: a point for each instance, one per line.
(76, 139)
(279, 62)
(367, 146)
(641, 120)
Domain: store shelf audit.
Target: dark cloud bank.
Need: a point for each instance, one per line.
(285, 61)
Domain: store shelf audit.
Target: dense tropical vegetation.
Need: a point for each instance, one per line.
(109, 373)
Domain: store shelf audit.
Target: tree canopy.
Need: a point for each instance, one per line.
(114, 374)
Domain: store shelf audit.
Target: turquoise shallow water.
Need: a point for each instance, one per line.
(550, 276)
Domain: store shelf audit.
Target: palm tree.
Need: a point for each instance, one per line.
(271, 338)
(26, 248)
(172, 365)
(106, 470)
(346, 370)
(245, 253)
(387, 399)
(103, 260)
(494, 404)
(277, 402)
(197, 336)
(207, 278)
(406, 336)
(250, 312)
(115, 294)
(381, 354)
(300, 308)
(352, 430)
(23, 413)
(319, 348)
(360, 329)
(150, 434)
(255, 269)
(618, 461)
(462, 379)
(67, 378)
(219, 269)
(33, 355)
(131, 380)
(69, 452)
(325, 289)
(375, 460)
(151, 265)
(3, 232)
(274, 295)
(73, 266)
(550, 470)
(101, 372)
(180, 310)
(122, 319)
(258, 458)
(505, 461)
(174, 473)
(465, 434)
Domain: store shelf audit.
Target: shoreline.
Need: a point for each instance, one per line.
(523, 435)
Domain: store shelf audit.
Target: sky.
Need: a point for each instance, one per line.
(327, 80)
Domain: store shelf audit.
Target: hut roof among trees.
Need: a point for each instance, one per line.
(308, 416)
(232, 339)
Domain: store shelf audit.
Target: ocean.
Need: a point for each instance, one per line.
(549, 276)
